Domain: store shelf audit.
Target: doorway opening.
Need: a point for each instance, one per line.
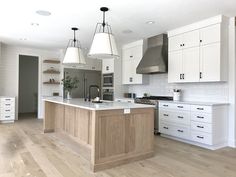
(28, 86)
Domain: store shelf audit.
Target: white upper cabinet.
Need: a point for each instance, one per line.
(108, 66)
(203, 48)
(131, 56)
(210, 34)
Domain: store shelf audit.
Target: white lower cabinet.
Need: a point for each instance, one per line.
(203, 125)
(7, 109)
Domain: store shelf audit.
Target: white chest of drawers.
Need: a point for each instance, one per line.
(7, 109)
(196, 123)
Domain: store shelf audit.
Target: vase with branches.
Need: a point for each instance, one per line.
(69, 84)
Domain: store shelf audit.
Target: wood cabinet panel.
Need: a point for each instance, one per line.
(59, 117)
(70, 120)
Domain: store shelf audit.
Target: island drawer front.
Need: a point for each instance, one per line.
(165, 115)
(201, 117)
(182, 132)
(7, 116)
(200, 108)
(166, 128)
(201, 137)
(182, 117)
(200, 126)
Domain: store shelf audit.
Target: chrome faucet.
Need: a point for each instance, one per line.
(93, 86)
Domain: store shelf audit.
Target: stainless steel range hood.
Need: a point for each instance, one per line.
(155, 59)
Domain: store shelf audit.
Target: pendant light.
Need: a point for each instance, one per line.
(74, 54)
(103, 45)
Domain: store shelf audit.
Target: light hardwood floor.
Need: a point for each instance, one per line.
(26, 152)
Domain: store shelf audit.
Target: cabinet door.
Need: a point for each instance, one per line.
(108, 66)
(191, 60)
(139, 132)
(111, 136)
(210, 62)
(175, 65)
(210, 34)
(191, 39)
(175, 42)
(137, 78)
(128, 54)
(127, 72)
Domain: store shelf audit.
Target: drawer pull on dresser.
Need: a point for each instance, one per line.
(201, 137)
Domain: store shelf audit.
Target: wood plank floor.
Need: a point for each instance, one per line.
(26, 152)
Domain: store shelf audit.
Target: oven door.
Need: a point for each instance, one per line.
(108, 96)
(107, 80)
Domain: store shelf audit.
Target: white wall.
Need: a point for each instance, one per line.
(9, 68)
(209, 92)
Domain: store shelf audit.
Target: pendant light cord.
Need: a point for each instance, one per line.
(74, 38)
(103, 23)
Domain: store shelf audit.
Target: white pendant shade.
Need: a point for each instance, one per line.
(103, 46)
(74, 56)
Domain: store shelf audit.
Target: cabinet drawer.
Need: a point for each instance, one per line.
(181, 117)
(7, 103)
(201, 137)
(7, 116)
(7, 110)
(184, 107)
(181, 132)
(199, 108)
(166, 128)
(200, 126)
(201, 117)
(166, 105)
(165, 115)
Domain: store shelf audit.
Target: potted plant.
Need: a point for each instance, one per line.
(69, 84)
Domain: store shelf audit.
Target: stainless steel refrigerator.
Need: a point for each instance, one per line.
(86, 78)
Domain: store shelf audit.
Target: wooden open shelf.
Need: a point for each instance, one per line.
(52, 61)
(51, 83)
(51, 72)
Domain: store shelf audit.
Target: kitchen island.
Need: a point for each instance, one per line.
(112, 133)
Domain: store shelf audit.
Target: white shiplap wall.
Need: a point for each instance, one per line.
(9, 68)
(158, 85)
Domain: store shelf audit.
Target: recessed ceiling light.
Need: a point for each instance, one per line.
(127, 31)
(23, 39)
(150, 22)
(43, 12)
(34, 24)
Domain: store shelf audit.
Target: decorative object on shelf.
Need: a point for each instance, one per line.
(74, 54)
(103, 45)
(176, 94)
(69, 84)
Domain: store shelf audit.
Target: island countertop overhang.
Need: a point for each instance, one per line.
(106, 105)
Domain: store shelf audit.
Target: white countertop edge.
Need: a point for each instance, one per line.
(131, 105)
(195, 103)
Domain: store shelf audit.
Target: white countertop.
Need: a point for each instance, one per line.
(195, 103)
(106, 105)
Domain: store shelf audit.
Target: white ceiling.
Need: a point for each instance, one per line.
(54, 31)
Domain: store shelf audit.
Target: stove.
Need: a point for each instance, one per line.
(153, 100)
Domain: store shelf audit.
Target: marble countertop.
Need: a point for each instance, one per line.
(106, 105)
(195, 103)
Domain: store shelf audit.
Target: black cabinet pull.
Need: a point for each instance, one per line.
(200, 75)
(166, 105)
(107, 68)
(7, 104)
(131, 79)
(180, 131)
(183, 76)
(200, 40)
(200, 117)
(200, 108)
(180, 76)
(7, 116)
(200, 137)
(7, 110)
(183, 44)
(165, 115)
(166, 128)
(200, 126)
(180, 117)
(131, 56)
(180, 106)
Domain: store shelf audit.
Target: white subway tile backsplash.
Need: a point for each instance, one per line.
(158, 85)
